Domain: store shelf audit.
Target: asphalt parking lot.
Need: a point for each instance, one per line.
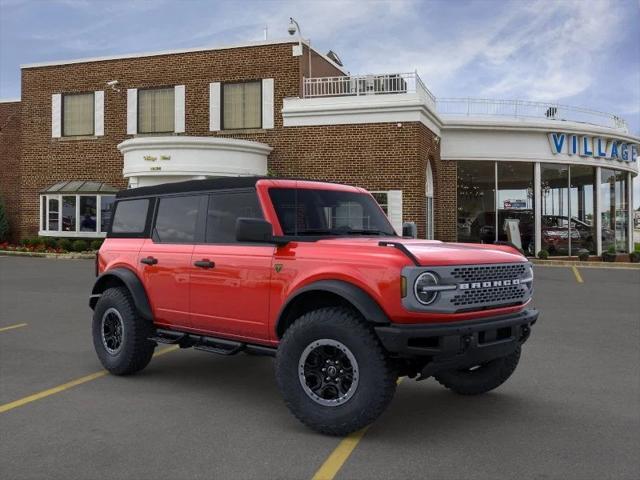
(571, 410)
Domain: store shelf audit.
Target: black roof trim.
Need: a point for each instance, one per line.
(221, 183)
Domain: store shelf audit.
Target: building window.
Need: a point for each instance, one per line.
(614, 210)
(70, 209)
(156, 110)
(476, 201)
(78, 114)
(241, 105)
(516, 205)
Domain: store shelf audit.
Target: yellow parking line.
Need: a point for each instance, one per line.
(11, 327)
(340, 454)
(65, 386)
(577, 274)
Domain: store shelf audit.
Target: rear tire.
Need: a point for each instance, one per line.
(361, 379)
(120, 334)
(480, 379)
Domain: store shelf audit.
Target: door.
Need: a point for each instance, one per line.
(230, 281)
(165, 259)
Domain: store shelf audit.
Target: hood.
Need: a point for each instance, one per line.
(433, 252)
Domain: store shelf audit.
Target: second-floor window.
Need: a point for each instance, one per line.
(242, 105)
(78, 114)
(156, 110)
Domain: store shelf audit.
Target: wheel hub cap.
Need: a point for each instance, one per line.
(112, 331)
(328, 372)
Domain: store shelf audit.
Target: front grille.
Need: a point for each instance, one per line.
(492, 295)
(479, 273)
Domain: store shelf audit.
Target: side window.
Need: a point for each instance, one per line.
(130, 216)
(224, 209)
(177, 219)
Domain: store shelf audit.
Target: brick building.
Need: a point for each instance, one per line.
(457, 168)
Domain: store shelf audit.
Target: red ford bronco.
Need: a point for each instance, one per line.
(313, 274)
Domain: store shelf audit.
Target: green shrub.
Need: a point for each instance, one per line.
(583, 255)
(611, 249)
(79, 246)
(65, 244)
(95, 244)
(4, 223)
(50, 242)
(543, 254)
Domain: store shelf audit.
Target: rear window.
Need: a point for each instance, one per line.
(130, 216)
(177, 219)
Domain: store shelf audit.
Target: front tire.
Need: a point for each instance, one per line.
(482, 378)
(333, 373)
(120, 334)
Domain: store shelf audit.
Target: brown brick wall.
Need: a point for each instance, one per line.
(445, 187)
(47, 160)
(375, 156)
(10, 160)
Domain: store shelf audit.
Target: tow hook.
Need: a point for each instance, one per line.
(526, 331)
(466, 341)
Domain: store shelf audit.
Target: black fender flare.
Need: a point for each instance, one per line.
(133, 284)
(361, 300)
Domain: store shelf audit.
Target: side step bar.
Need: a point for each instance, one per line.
(221, 346)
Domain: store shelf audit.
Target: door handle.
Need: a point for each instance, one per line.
(149, 261)
(204, 264)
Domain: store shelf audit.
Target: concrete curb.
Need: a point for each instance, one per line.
(572, 263)
(61, 256)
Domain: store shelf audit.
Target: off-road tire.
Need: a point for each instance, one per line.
(136, 350)
(377, 378)
(481, 380)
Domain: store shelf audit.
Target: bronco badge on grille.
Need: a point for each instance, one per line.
(494, 283)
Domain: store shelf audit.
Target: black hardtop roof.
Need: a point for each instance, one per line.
(222, 183)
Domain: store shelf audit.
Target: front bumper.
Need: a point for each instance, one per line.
(458, 345)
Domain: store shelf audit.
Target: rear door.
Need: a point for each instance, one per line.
(165, 258)
(230, 281)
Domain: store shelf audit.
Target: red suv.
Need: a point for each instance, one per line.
(313, 274)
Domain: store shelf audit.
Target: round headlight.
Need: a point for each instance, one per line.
(422, 288)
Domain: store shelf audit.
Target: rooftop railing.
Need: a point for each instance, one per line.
(357, 85)
(479, 107)
(399, 83)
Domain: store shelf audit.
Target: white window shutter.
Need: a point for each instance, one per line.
(267, 103)
(214, 106)
(394, 209)
(132, 111)
(98, 112)
(179, 99)
(56, 115)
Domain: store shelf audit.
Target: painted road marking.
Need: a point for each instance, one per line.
(332, 465)
(11, 327)
(65, 386)
(577, 274)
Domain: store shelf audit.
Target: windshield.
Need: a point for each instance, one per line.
(328, 212)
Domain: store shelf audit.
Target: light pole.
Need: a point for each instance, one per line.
(293, 28)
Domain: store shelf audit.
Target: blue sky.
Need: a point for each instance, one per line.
(577, 52)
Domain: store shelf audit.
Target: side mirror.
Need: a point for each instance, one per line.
(254, 230)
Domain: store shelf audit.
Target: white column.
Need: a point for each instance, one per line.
(537, 206)
(630, 212)
(598, 210)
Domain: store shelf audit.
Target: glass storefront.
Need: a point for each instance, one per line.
(567, 206)
(516, 203)
(476, 202)
(614, 193)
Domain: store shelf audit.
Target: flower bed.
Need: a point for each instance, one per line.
(51, 245)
